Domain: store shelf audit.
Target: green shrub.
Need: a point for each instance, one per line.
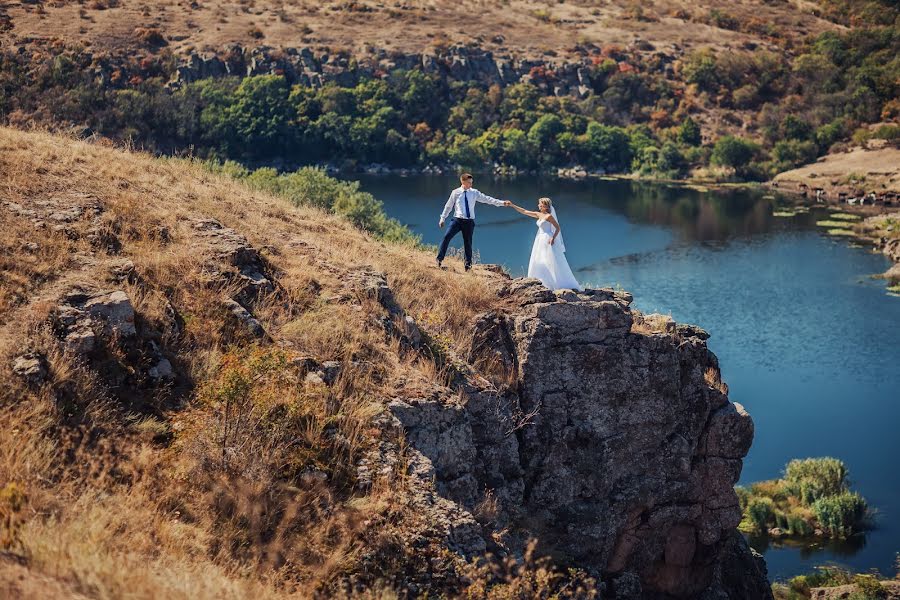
(313, 187)
(800, 585)
(795, 128)
(793, 153)
(812, 478)
(760, 512)
(735, 152)
(828, 134)
(689, 133)
(797, 525)
(840, 515)
(701, 69)
(888, 132)
(870, 587)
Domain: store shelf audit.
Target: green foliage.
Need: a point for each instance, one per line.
(689, 133)
(667, 162)
(792, 153)
(813, 478)
(840, 515)
(837, 82)
(828, 134)
(760, 511)
(869, 587)
(607, 147)
(812, 495)
(888, 132)
(701, 69)
(731, 151)
(795, 128)
(309, 186)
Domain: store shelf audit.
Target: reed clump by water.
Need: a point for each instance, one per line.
(812, 499)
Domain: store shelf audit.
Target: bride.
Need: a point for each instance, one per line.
(548, 260)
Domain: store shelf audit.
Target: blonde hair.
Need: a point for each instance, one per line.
(543, 201)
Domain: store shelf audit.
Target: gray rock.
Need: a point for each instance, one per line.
(121, 270)
(615, 452)
(162, 370)
(244, 318)
(115, 311)
(412, 332)
(81, 340)
(314, 378)
(31, 367)
(330, 371)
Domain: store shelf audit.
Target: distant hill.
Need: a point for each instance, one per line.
(527, 28)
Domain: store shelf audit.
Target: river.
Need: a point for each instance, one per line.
(807, 340)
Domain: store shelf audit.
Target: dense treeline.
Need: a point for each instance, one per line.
(634, 120)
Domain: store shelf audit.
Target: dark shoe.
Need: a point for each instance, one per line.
(468, 267)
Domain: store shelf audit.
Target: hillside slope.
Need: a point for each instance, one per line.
(530, 28)
(210, 393)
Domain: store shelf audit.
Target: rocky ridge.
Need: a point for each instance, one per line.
(315, 68)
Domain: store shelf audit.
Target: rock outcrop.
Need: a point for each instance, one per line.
(616, 446)
(884, 232)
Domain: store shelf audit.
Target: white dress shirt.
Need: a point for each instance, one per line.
(457, 203)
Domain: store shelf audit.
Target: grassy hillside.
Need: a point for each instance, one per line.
(233, 471)
(532, 28)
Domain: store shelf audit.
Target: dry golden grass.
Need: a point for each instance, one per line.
(239, 480)
(529, 28)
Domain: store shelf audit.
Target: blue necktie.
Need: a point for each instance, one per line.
(466, 200)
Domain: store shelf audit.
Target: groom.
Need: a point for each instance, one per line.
(461, 203)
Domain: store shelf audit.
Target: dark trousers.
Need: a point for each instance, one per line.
(467, 227)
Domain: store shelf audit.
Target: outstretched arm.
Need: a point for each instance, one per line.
(527, 213)
(482, 197)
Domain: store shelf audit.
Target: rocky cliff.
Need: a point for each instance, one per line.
(615, 445)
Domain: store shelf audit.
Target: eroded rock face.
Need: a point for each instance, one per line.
(618, 449)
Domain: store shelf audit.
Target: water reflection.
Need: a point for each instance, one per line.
(810, 547)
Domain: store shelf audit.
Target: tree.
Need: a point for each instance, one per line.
(516, 148)
(520, 102)
(542, 136)
(795, 128)
(793, 153)
(608, 147)
(260, 114)
(732, 151)
(689, 133)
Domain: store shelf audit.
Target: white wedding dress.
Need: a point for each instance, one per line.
(548, 263)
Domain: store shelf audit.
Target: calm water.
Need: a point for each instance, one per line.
(808, 342)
